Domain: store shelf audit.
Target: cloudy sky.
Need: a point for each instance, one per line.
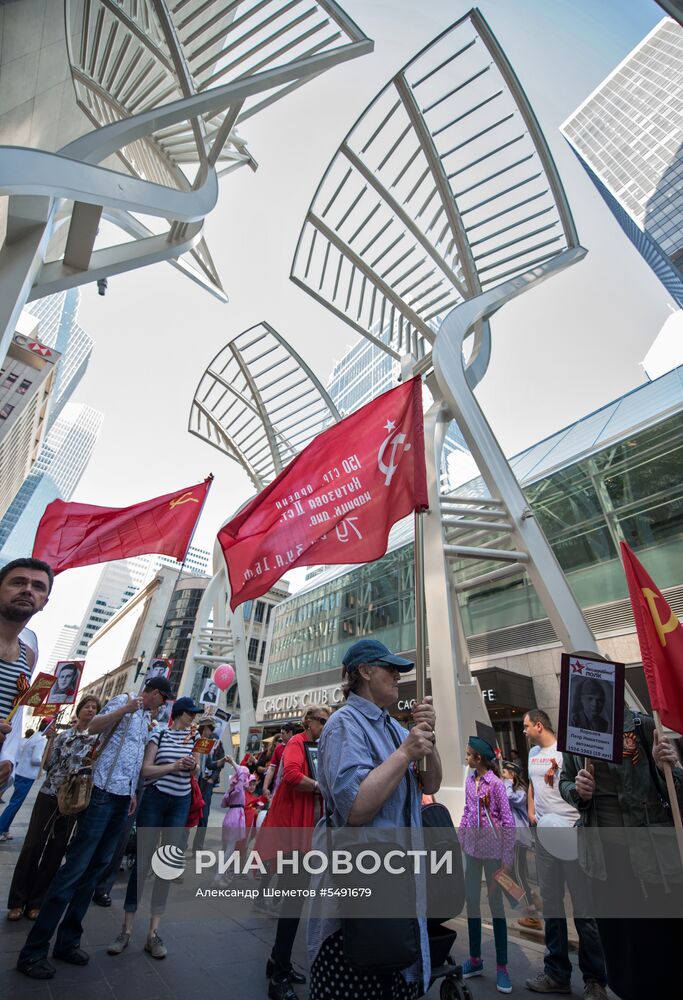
(558, 352)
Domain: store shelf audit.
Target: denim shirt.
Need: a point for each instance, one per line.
(118, 766)
(353, 743)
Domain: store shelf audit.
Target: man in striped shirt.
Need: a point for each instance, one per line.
(25, 586)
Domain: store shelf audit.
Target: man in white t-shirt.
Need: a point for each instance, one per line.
(545, 766)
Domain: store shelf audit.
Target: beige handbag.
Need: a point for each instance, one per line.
(73, 795)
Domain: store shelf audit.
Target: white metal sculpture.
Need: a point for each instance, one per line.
(443, 201)
(166, 86)
(260, 404)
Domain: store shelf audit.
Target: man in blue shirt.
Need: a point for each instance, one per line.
(125, 722)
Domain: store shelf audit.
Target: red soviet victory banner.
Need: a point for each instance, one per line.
(78, 534)
(337, 500)
(660, 636)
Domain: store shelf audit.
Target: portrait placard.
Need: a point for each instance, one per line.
(591, 719)
(67, 678)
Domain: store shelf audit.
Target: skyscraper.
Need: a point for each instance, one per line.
(56, 315)
(63, 458)
(70, 435)
(27, 378)
(62, 647)
(119, 581)
(628, 135)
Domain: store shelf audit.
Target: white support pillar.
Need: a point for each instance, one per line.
(457, 698)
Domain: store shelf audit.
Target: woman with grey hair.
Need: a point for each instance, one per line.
(367, 772)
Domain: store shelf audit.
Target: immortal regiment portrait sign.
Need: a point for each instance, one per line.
(210, 694)
(337, 500)
(67, 679)
(591, 708)
(159, 667)
(34, 696)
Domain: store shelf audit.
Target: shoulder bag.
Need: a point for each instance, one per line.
(75, 792)
(383, 945)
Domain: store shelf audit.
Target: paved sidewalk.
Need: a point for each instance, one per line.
(213, 959)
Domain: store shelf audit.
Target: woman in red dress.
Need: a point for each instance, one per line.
(296, 805)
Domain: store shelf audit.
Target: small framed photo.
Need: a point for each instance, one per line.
(210, 694)
(158, 667)
(312, 759)
(67, 679)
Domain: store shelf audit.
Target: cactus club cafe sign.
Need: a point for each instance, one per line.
(299, 700)
(500, 689)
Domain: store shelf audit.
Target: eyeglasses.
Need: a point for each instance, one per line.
(385, 666)
(318, 718)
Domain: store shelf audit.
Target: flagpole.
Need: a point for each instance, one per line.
(182, 565)
(420, 638)
(208, 479)
(671, 789)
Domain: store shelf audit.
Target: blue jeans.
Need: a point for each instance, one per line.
(553, 874)
(473, 872)
(22, 786)
(168, 814)
(88, 854)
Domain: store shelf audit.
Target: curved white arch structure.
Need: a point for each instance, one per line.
(443, 201)
(166, 85)
(260, 404)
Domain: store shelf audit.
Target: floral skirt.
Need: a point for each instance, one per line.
(332, 978)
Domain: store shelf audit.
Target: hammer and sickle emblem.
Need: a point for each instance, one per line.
(662, 627)
(394, 441)
(185, 498)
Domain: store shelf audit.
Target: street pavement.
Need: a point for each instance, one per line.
(215, 958)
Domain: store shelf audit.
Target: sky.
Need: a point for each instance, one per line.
(559, 351)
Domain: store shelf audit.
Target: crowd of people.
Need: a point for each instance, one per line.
(369, 771)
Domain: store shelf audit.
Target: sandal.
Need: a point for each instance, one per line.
(32, 914)
(15, 914)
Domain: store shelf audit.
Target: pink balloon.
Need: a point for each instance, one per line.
(224, 676)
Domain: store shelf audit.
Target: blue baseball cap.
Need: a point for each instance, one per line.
(186, 705)
(372, 651)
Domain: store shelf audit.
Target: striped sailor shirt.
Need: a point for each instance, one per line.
(10, 672)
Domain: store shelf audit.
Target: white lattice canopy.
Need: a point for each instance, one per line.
(443, 188)
(260, 404)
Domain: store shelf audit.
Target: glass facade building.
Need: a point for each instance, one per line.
(613, 475)
(71, 429)
(58, 329)
(63, 459)
(628, 135)
(176, 634)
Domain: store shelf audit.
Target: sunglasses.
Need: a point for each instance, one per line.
(319, 718)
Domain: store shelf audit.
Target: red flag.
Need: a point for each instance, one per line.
(337, 500)
(661, 642)
(78, 534)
